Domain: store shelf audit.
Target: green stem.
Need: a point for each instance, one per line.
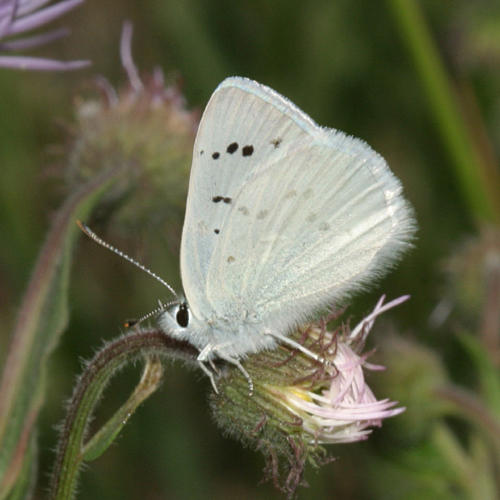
(479, 184)
(71, 449)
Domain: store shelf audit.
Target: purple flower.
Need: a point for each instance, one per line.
(20, 16)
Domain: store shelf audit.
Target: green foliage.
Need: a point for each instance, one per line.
(41, 320)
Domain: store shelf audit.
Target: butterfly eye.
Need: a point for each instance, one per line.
(182, 315)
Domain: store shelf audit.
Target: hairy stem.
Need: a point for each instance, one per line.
(71, 450)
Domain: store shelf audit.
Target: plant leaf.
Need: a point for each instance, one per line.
(150, 381)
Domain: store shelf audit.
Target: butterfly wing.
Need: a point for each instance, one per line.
(235, 117)
(282, 216)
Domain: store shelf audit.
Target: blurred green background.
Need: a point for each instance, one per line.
(343, 62)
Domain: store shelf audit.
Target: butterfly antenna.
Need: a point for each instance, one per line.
(123, 255)
(155, 312)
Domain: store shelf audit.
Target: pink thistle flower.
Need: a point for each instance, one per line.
(305, 398)
(340, 407)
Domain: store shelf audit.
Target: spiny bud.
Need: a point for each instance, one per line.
(142, 128)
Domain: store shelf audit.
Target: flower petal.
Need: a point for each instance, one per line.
(40, 64)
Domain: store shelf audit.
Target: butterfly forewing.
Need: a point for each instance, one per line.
(225, 157)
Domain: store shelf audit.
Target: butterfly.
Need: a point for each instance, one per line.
(283, 218)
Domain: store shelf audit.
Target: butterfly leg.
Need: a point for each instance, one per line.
(212, 365)
(296, 345)
(240, 367)
(204, 356)
(209, 374)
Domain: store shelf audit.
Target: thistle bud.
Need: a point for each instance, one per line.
(300, 401)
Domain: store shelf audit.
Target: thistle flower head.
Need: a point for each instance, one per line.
(299, 403)
(142, 128)
(21, 16)
(342, 409)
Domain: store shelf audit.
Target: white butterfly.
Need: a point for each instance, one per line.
(283, 218)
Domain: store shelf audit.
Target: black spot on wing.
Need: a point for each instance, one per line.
(215, 155)
(232, 147)
(247, 150)
(216, 231)
(225, 199)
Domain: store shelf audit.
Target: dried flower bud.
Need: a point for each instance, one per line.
(144, 129)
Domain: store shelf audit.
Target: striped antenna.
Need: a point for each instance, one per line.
(155, 312)
(123, 255)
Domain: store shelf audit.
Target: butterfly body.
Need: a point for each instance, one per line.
(283, 218)
(232, 336)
